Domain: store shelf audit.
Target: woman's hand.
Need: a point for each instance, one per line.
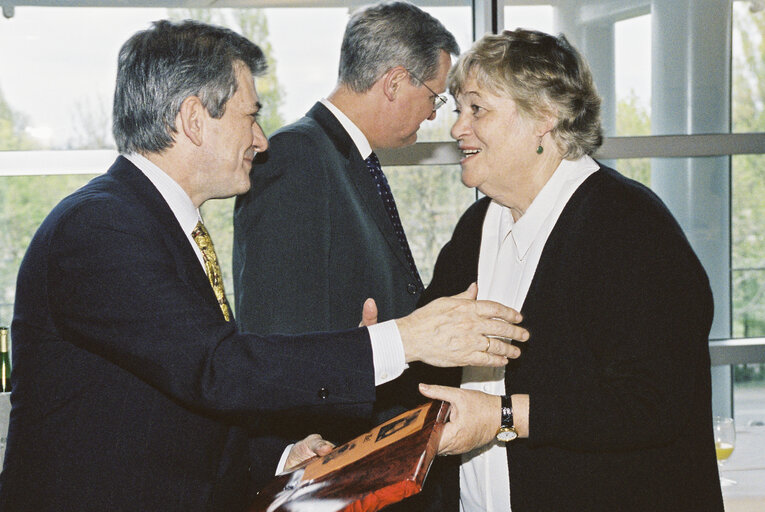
(473, 421)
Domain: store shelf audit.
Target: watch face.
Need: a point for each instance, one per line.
(506, 434)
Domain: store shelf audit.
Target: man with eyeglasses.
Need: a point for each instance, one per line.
(318, 233)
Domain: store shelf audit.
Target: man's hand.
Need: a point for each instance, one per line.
(311, 446)
(461, 331)
(473, 421)
(368, 313)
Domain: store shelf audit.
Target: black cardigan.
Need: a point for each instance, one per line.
(617, 366)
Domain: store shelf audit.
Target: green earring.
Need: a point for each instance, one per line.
(540, 149)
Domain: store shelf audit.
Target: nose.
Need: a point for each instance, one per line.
(432, 116)
(460, 127)
(259, 140)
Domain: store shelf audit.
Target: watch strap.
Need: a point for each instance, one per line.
(506, 431)
(507, 413)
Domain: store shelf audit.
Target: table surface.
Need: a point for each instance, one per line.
(746, 466)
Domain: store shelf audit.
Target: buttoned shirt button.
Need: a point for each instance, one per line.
(323, 393)
(411, 288)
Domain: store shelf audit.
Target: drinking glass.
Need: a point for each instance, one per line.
(725, 440)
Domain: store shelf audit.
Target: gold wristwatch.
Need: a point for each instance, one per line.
(506, 430)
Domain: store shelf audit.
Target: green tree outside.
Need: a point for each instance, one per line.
(633, 119)
(748, 181)
(430, 198)
(748, 185)
(13, 136)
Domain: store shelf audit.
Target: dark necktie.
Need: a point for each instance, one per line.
(373, 164)
(212, 268)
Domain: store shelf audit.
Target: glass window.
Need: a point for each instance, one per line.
(63, 101)
(748, 207)
(430, 200)
(632, 76)
(535, 17)
(748, 246)
(458, 20)
(62, 86)
(638, 169)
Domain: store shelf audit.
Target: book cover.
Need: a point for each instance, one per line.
(376, 469)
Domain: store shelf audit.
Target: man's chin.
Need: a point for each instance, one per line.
(409, 140)
(243, 189)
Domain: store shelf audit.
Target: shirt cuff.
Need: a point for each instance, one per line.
(387, 351)
(283, 460)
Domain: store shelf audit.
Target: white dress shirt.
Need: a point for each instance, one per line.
(354, 132)
(507, 261)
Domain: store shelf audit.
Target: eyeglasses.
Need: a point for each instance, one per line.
(439, 100)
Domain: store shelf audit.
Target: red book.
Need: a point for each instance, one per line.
(376, 469)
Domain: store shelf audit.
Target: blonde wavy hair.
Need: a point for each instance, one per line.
(545, 76)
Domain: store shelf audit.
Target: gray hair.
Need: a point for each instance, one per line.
(383, 36)
(160, 67)
(543, 75)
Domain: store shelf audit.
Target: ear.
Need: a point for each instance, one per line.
(192, 116)
(545, 125)
(392, 81)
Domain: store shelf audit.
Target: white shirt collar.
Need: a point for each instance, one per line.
(361, 142)
(176, 198)
(560, 186)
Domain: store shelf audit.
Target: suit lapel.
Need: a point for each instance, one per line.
(148, 197)
(358, 174)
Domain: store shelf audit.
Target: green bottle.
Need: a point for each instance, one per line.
(5, 362)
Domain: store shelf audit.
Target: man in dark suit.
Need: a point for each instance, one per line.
(314, 210)
(133, 389)
(317, 214)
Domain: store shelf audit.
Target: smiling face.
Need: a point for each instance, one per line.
(498, 145)
(233, 140)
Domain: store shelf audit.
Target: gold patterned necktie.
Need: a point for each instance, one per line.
(204, 242)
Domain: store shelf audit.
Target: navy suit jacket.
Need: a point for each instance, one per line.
(313, 241)
(617, 366)
(131, 391)
(312, 238)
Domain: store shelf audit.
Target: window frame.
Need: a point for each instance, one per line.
(487, 18)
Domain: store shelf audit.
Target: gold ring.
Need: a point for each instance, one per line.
(488, 344)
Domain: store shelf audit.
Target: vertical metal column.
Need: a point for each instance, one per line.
(487, 17)
(594, 38)
(691, 54)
